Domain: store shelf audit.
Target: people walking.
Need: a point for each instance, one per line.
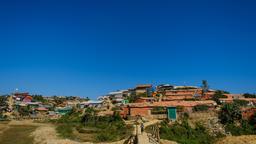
(142, 127)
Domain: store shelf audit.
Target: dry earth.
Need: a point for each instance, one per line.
(245, 139)
(46, 133)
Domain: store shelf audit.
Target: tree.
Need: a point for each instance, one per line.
(3, 104)
(248, 95)
(229, 113)
(217, 95)
(205, 87)
(39, 98)
(201, 108)
(89, 115)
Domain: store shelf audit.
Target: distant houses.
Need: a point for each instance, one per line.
(161, 102)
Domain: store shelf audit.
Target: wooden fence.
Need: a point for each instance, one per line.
(153, 134)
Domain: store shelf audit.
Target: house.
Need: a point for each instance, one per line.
(20, 96)
(91, 103)
(63, 110)
(181, 94)
(117, 96)
(145, 89)
(41, 111)
(164, 87)
(152, 110)
(27, 99)
(145, 99)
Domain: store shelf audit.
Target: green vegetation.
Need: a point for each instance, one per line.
(242, 103)
(158, 110)
(230, 115)
(100, 128)
(205, 87)
(3, 105)
(219, 94)
(39, 98)
(248, 95)
(243, 128)
(17, 135)
(183, 133)
(200, 108)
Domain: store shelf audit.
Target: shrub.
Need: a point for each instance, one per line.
(230, 113)
(200, 108)
(248, 95)
(241, 102)
(185, 134)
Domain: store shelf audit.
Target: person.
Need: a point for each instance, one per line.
(142, 127)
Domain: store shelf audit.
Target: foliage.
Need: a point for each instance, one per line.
(24, 111)
(219, 94)
(3, 105)
(65, 130)
(240, 102)
(185, 134)
(248, 95)
(205, 86)
(158, 110)
(132, 98)
(58, 100)
(39, 98)
(229, 113)
(100, 125)
(71, 117)
(200, 108)
(180, 108)
(243, 129)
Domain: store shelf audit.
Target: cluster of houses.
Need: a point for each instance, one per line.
(50, 107)
(162, 101)
(166, 101)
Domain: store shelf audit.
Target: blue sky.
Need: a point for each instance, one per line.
(91, 47)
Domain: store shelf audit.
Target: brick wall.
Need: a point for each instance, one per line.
(140, 111)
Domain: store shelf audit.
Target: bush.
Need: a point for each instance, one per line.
(248, 95)
(243, 129)
(65, 130)
(185, 134)
(230, 113)
(200, 108)
(241, 102)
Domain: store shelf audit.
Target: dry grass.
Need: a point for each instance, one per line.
(244, 139)
(16, 134)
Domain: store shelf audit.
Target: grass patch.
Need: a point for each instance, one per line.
(92, 128)
(183, 133)
(17, 134)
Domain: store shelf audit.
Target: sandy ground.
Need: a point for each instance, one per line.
(245, 139)
(46, 134)
(167, 142)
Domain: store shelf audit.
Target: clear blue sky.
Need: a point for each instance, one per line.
(91, 47)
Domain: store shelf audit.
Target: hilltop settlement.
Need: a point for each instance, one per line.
(181, 114)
